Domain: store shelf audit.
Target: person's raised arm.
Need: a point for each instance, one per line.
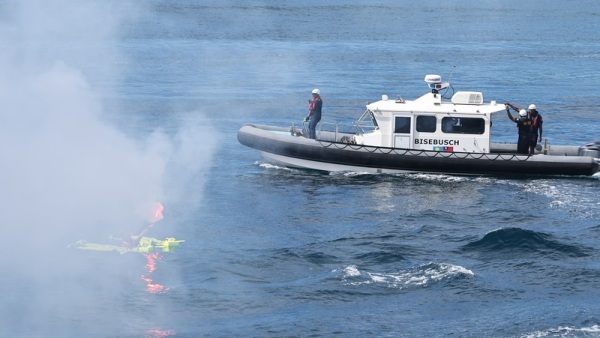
(506, 105)
(515, 108)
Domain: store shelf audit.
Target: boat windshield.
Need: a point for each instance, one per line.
(367, 115)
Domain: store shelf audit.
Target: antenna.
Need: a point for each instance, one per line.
(452, 72)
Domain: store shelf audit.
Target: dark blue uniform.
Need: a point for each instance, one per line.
(524, 125)
(314, 116)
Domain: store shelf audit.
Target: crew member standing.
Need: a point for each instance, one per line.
(524, 125)
(314, 113)
(536, 125)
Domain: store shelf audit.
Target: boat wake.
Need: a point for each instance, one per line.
(275, 167)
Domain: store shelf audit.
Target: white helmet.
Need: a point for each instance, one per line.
(523, 112)
(316, 91)
(532, 107)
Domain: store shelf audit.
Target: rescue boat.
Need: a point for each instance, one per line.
(434, 133)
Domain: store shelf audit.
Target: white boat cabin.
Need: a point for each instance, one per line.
(462, 124)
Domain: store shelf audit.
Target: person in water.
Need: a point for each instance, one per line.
(536, 128)
(524, 125)
(314, 113)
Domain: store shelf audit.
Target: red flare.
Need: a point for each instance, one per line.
(158, 212)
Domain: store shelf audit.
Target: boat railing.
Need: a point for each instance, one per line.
(332, 131)
(330, 127)
(360, 129)
(327, 131)
(335, 132)
(358, 125)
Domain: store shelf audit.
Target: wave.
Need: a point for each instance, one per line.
(380, 257)
(510, 242)
(310, 255)
(420, 276)
(365, 250)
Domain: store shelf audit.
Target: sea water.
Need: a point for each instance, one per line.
(277, 252)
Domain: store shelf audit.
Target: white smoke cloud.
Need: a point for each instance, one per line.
(61, 160)
(66, 173)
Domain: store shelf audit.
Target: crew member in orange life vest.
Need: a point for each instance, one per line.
(524, 125)
(314, 113)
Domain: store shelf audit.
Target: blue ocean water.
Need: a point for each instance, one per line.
(278, 252)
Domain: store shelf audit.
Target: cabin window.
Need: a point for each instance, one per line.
(402, 125)
(426, 124)
(463, 125)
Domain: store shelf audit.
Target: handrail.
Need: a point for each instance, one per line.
(428, 153)
(330, 123)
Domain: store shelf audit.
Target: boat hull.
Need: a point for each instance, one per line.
(278, 145)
